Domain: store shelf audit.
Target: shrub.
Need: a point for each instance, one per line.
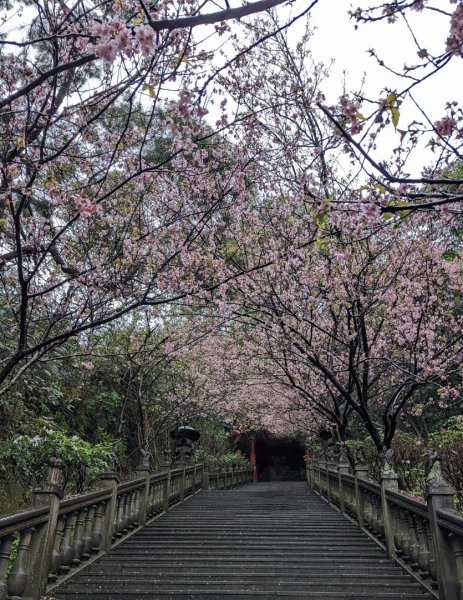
(448, 442)
(225, 461)
(27, 456)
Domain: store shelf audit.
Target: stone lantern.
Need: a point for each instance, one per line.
(184, 438)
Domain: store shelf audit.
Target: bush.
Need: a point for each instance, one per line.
(448, 443)
(27, 457)
(371, 456)
(410, 456)
(225, 461)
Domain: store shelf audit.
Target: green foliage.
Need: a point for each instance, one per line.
(448, 442)
(409, 457)
(225, 461)
(215, 446)
(371, 454)
(214, 442)
(27, 457)
(409, 461)
(13, 553)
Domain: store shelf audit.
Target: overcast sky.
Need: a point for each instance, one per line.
(337, 38)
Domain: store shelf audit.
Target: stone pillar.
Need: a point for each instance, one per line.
(144, 470)
(165, 467)
(308, 472)
(389, 481)
(253, 459)
(182, 482)
(330, 466)
(49, 493)
(343, 469)
(439, 496)
(361, 472)
(110, 480)
(205, 484)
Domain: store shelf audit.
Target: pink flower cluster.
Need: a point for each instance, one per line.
(351, 113)
(418, 5)
(455, 39)
(445, 126)
(144, 37)
(85, 207)
(114, 37)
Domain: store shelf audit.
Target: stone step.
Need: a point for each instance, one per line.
(261, 541)
(146, 586)
(322, 570)
(226, 575)
(188, 594)
(250, 560)
(251, 542)
(249, 533)
(331, 553)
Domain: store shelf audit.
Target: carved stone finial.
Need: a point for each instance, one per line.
(343, 455)
(145, 455)
(113, 462)
(51, 483)
(330, 451)
(387, 462)
(55, 461)
(360, 456)
(436, 482)
(55, 467)
(431, 458)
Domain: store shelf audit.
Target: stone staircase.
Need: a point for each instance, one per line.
(265, 540)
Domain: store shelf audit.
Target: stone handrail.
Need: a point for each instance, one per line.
(424, 537)
(226, 480)
(41, 547)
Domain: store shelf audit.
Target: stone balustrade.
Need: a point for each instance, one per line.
(41, 547)
(232, 478)
(424, 537)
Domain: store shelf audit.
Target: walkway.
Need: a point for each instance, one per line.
(265, 540)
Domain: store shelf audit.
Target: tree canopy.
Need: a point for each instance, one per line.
(191, 230)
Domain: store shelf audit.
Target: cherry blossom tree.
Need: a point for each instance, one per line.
(115, 194)
(374, 137)
(358, 327)
(232, 382)
(399, 107)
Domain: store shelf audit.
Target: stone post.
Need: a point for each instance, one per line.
(329, 465)
(110, 480)
(439, 496)
(389, 481)
(343, 469)
(165, 467)
(182, 483)
(361, 472)
(48, 493)
(144, 470)
(308, 463)
(205, 483)
(193, 487)
(253, 459)
(317, 479)
(312, 471)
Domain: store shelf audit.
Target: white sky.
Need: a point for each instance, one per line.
(337, 38)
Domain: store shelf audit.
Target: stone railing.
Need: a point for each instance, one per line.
(41, 547)
(232, 478)
(424, 537)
